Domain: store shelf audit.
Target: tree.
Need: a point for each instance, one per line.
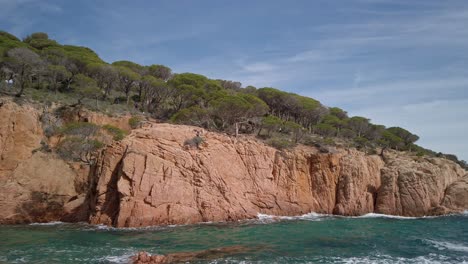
(296, 129)
(40, 40)
(374, 133)
(230, 110)
(338, 112)
(270, 123)
(56, 75)
(194, 115)
(128, 79)
(358, 124)
(361, 142)
(258, 106)
(325, 130)
(185, 95)
(195, 80)
(231, 85)
(347, 133)
(390, 140)
(160, 71)
(407, 137)
(464, 164)
(36, 35)
(25, 64)
(250, 90)
(154, 92)
(105, 75)
(142, 70)
(85, 87)
(334, 121)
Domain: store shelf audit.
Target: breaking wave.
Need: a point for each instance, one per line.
(48, 223)
(443, 245)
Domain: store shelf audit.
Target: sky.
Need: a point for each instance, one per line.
(398, 62)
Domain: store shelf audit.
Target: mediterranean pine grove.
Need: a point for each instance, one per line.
(41, 69)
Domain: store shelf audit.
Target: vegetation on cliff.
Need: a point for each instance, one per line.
(44, 70)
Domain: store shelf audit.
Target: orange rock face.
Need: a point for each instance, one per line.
(418, 187)
(150, 178)
(34, 186)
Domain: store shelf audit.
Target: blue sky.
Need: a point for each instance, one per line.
(397, 62)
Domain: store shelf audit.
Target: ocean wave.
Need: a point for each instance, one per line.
(48, 223)
(375, 215)
(444, 245)
(374, 259)
(125, 258)
(318, 217)
(312, 216)
(385, 259)
(101, 227)
(261, 218)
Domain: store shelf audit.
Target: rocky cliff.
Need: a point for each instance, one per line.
(35, 184)
(151, 178)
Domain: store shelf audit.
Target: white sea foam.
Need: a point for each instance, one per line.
(116, 259)
(374, 215)
(312, 216)
(384, 259)
(443, 245)
(374, 259)
(47, 224)
(318, 217)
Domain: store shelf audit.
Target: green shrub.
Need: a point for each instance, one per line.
(82, 129)
(194, 115)
(361, 142)
(134, 122)
(372, 151)
(280, 143)
(78, 149)
(117, 133)
(329, 141)
(194, 142)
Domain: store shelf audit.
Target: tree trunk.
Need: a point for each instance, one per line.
(22, 86)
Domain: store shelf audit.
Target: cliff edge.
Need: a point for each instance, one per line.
(152, 178)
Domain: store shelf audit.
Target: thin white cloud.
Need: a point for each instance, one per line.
(259, 67)
(382, 92)
(440, 123)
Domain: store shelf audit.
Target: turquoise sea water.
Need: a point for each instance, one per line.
(308, 239)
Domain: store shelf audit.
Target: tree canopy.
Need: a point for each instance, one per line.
(41, 63)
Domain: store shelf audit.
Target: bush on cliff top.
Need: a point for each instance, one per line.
(118, 134)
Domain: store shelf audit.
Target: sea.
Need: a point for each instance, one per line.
(311, 238)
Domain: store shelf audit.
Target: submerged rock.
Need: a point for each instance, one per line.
(184, 257)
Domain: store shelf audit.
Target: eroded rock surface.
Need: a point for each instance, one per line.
(150, 178)
(35, 184)
(416, 187)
